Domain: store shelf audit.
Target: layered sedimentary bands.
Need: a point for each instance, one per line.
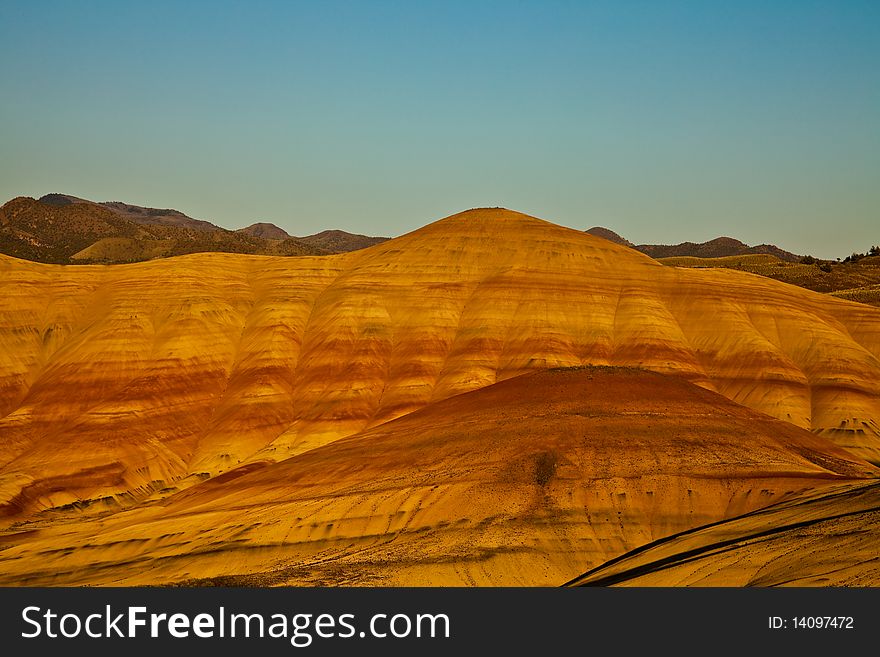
(128, 386)
(825, 537)
(528, 481)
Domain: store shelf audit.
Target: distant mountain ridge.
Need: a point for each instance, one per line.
(85, 232)
(610, 235)
(66, 229)
(719, 247)
(114, 231)
(338, 241)
(136, 213)
(265, 230)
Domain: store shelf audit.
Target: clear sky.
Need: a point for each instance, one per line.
(665, 121)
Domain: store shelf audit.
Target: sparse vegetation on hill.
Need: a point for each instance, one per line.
(610, 235)
(264, 230)
(856, 278)
(64, 229)
(853, 279)
(135, 213)
(84, 233)
(338, 241)
(720, 247)
(855, 257)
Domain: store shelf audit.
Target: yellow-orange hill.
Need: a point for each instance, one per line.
(118, 382)
(824, 537)
(530, 481)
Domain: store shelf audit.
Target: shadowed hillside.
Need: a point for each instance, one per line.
(824, 537)
(609, 235)
(68, 233)
(265, 231)
(338, 241)
(720, 247)
(135, 213)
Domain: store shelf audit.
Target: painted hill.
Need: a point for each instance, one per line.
(525, 482)
(188, 367)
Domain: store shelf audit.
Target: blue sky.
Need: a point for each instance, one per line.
(665, 121)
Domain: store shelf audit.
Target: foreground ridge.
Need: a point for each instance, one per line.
(524, 482)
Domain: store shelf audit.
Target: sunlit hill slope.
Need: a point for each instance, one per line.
(122, 382)
(530, 481)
